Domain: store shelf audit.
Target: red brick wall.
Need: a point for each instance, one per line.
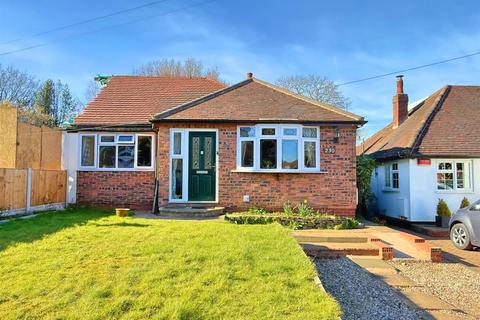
(334, 190)
(131, 189)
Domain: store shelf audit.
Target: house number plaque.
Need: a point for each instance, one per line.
(330, 150)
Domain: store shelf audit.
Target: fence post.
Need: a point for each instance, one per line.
(29, 189)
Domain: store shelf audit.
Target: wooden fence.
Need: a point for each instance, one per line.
(28, 190)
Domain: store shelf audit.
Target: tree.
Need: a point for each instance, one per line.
(93, 88)
(45, 102)
(69, 106)
(17, 87)
(190, 68)
(315, 87)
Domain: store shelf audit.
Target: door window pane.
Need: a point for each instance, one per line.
(144, 151)
(88, 151)
(177, 143)
(247, 153)
(196, 153)
(268, 153)
(177, 178)
(309, 132)
(106, 157)
(208, 153)
(126, 156)
(310, 153)
(247, 132)
(290, 154)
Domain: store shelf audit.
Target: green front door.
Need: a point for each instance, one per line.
(201, 166)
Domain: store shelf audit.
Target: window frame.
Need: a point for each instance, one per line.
(116, 144)
(389, 171)
(454, 173)
(279, 137)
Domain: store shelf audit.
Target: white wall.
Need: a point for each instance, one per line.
(424, 195)
(69, 163)
(393, 203)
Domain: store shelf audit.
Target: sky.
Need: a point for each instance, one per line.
(341, 40)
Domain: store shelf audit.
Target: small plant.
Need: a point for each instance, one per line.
(465, 203)
(257, 210)
(304, 210)
(442, 209)
(348, 223)
(288, 209)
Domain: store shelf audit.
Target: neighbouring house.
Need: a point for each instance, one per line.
(183, 141)
(430, 151)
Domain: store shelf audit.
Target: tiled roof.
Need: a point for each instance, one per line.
(256, 100)
(135, 99)
(443, 125)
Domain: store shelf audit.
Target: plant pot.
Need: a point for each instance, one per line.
(442, 221)
(122, 212)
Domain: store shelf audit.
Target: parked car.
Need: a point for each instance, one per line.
(465, 227)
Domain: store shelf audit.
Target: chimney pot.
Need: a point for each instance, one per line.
(399, 83)
(249, 75)
(400, 104)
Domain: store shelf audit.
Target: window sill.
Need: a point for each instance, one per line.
(454, 191)
(112, 169)
(390, 190)
(277, 171)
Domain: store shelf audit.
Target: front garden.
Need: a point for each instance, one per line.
(89, 264)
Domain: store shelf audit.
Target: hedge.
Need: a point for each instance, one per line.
(296, 222)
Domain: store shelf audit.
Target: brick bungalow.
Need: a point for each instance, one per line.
(157, 141)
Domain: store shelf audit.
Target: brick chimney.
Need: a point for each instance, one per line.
(249, 75)
(400, 104)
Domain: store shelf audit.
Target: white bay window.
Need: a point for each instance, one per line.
(116, 152)
(278, 148)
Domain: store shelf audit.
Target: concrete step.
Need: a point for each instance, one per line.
(190, 211)
(332, 249)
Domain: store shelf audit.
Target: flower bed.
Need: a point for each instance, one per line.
(320, 221)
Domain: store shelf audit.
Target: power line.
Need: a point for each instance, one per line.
(106, 28)
(78, 23)
(410, 69)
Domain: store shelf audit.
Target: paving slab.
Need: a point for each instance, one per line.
(427, 301)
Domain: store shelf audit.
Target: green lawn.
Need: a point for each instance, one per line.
(89, 264)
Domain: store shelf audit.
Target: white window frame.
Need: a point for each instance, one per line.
(454, 173)
(94, 151)
(98, 143)
(279, 137)
(388, 172)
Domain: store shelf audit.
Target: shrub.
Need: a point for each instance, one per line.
(348, 223)
(257, 210)
(465, 203)
(304, 210)
(442, 209)
(288, 209)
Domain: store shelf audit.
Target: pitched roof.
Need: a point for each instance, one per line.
(256, 100)
(135, 99)
(443, 125)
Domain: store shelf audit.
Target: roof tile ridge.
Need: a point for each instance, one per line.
(422, 131)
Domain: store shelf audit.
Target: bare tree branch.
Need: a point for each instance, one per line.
(315, 87)
(17, 86)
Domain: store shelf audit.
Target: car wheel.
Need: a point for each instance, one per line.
(460, 237)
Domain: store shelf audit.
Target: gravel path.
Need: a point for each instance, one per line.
(451, 282)
(361, 295)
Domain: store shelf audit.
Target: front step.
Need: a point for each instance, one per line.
(303, 238)
(194, 211)
(335, 250)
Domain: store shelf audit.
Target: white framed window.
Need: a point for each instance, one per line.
(278, 148)
(392, 176)
(116, 152)
(178, 164)
(454, 175)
